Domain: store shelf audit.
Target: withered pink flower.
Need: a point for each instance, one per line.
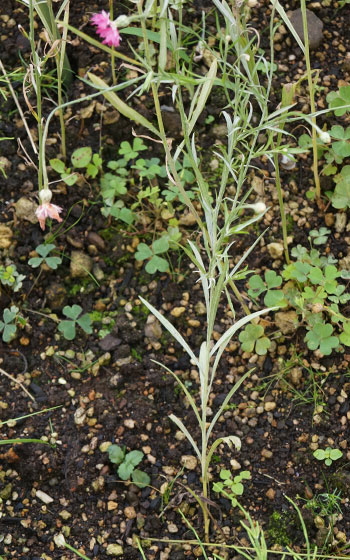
(46, 209)
(107, 29)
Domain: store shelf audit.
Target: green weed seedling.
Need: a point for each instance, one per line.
(231, 487)
(8, 326)
(68, 327)
(327, 455)
(44, 257)
(10, 277)
(126, 465)
(325, 504)
(82, 158)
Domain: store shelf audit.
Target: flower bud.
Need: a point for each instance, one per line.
(258, 207)
(252, 3)
(45, 196)
(59, 540)
(122, 21)
(287, 162)
(325, 137)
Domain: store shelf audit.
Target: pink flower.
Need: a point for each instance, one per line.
(107, 29)
(48, 210)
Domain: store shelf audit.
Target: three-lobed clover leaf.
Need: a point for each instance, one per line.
(320, 236)
(273, 297)
(148, 168)
(297, 271)
(131, 152)
(231, 487)
(325, 278)
(320, 337)
(68, 327)
(253, 336)
(43, 252)
(155, 263)
(342, 135)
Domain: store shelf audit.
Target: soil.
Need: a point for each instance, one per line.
(102, 388)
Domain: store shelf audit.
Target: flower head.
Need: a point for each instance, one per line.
(46, 209)
(107, 29)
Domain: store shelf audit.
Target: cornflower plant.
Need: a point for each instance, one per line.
(211, 257)
(218, 215)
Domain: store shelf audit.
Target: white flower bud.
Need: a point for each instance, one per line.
(246, 56)
(252, 3)
(59, 540)
(287, 162)
(258, 207)
(45, 196)
(122, 21)
(325, 137)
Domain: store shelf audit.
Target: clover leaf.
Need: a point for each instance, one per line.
(341, 195)
(273, 298)
(81, 157)
(43, 252)
(339, 99)
(68, 327)
(320, 337)
(253, 336)
(155, 262)
(342, 147)
(131, 152)
(345, 335)
(8, 326)
(297, 271)
(320, 236)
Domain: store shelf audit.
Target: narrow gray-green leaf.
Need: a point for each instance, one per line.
(185, 431)
(173, 331)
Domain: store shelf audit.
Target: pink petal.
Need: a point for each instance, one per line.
(101, 20)
(111, 37)
(47, 210)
